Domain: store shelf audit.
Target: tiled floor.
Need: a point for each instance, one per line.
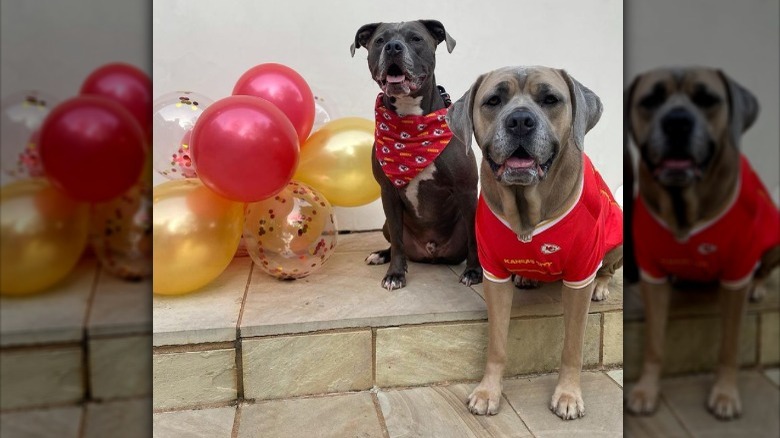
(682, 411)
(432, 411)
(128, 418)
(249, 336)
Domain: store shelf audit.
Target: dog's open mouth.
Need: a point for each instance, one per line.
(399, 81)
(677, 171)
(520, 167)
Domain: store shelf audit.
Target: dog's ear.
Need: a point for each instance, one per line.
(362, 36)
(743, 108)
(437, 30)
(628, 96)
(460, 115)
(585, 107)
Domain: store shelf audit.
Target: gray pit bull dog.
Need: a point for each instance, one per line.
(429, 216)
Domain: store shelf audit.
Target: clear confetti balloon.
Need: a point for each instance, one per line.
(21, 116)
(324, 110)
(292, 234)
(121, 232)
(174, 115)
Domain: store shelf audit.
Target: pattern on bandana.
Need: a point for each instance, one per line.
(406, 145)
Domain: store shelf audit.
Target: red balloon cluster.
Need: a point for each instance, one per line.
(93, 146)
(246, 146)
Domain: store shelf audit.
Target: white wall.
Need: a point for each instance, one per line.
(53, 45)
(741, 37)
(205, 45)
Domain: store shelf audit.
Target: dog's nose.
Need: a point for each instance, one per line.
(521, 122)
(677, 123)
(394, 47)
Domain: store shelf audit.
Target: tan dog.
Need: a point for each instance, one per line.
(696, 192)
(540, 196)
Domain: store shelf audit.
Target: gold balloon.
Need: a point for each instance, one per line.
(336, 161)
(43, 236)
(195, 234)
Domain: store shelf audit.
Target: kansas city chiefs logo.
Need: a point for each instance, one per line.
(426, 143)
(405, 135)
(440, 117)
(707, 248)
(549, 248)
(383, 127)
(399, 146)
(419, 160)
(421, 126)
(403, 168)
(385, 149)
(438, 131)
(382, 163)
(386, 116)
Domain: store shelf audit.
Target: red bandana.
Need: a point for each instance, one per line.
(406, 145)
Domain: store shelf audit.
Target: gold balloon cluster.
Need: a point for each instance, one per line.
(43, 235)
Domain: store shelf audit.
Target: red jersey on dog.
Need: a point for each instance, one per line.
(569, 248)
(406, 145)
(727, 248)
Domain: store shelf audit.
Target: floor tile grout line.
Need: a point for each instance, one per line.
(677, 418)
(373, 356)
(236, 422)
(602, 321)
(380, 416)
(86, 370)
(518, 414)
(238, 347)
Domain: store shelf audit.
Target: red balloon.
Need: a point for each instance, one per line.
(244, 148)
(283, 87)
(92, 148)
(128, 86)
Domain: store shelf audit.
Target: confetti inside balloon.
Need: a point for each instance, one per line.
(121, 232)
(292, 234)
(21, 116)
(174, 116)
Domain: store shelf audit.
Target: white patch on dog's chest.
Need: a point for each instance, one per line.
(412, 191)
(408, 106)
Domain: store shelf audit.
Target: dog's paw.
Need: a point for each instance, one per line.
(601, 290)
(471, 276)
(484, 399)
(525, 283)
(758, 292)
(394, 281)
(378, 257)
(724, 402)
(567, 404)
(642, 399)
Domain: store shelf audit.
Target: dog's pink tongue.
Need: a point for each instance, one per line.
(677, 164)
(519, 163)
(395, 79)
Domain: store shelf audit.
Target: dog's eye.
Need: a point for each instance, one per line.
(704, 99)
(379, 41)
(493, 101)
(416, 38)
(654, 99)
(550, 99)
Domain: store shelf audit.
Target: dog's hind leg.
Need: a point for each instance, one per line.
(611, 263)
(769, 261)
(382, 256)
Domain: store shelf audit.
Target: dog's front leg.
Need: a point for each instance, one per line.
(643, 398)
(567, 401)
(394, 215)
(724, 401)
(485, 398)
